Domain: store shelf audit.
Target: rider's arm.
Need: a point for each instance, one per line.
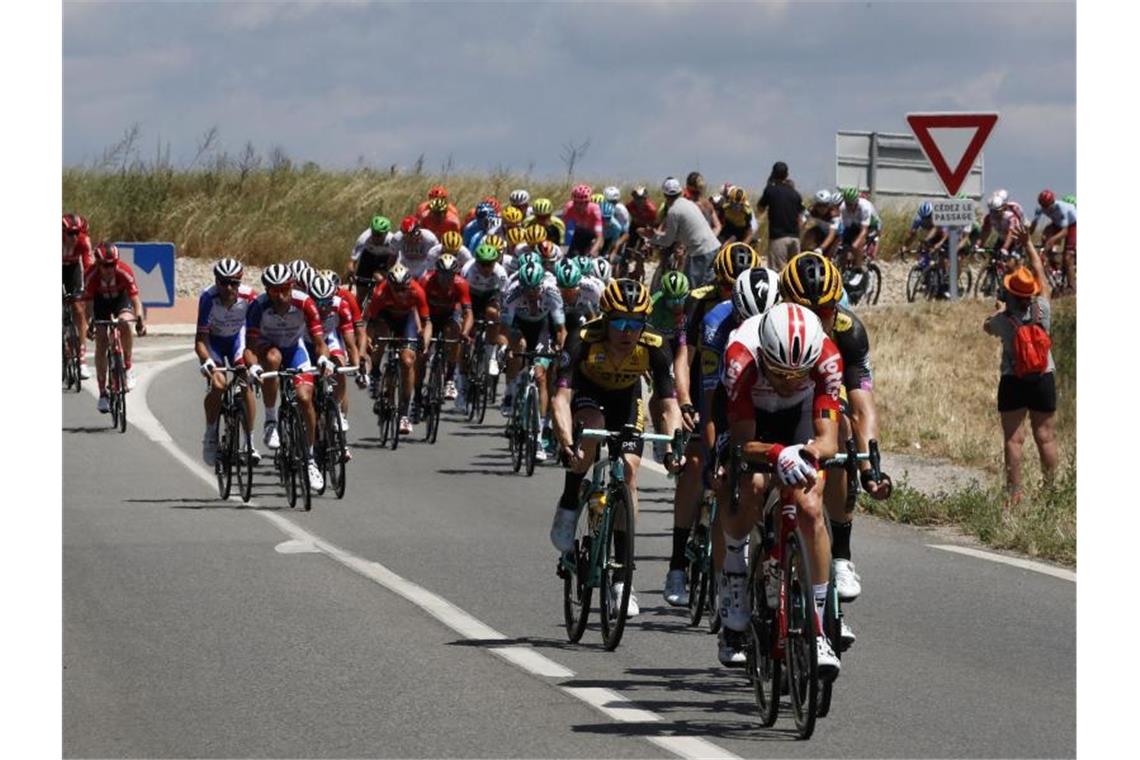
(200, 348)
(864, 420)
(1037, 266)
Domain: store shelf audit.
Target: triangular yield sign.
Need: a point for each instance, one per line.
(922, 123)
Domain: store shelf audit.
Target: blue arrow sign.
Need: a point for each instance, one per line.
(153, 264)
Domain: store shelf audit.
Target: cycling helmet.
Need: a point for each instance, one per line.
(733, 259)
(306, 279)
(452, 241)
(447, 264)
(674, 285)
(995, 201)
(535, 234)
(791, 337)
(516, 235)
(849, 194)
(607, 210)
(381, 225)
(106, 252)
(611, 194)
(547, 251)
(438, 191)
(1070, 199)
(1046, 198)
(493, 202)
(298, 267)
(498, 241)
(228, 269)
(74, 223)
(519, 197)
(625, 297)
(836, 198)
(399, 275)
(603, 270)
(639, 192)
(484, 211)
(811, 280)
(437, 205)
(486, 253)
(531, 275)
(925, 210)
(597, 198)
(409, 224)
(512, 215)
(737, 195)
(331, 276)
(580, 193)
(542, 207)
(671, 187)
(586, 265)
(756, 290)
(321, 289)
(567, 273)
(823, 197)
(529, 257)
(276, 275)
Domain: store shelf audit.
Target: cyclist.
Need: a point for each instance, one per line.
(548, 254)
(1006, 219)
(642, 210)
(77, 261)
(685, 223)
(275, 328)
(860, 228)
(220, 340)
(473, 212)
(520, 199)
(782, 382)
(599, 386)
(512, 220)
(486, 222)
(339, 329)
(812, 281)
(821, 222)
(451, 242)
(935, 241)
(1062, 225)
(486, 280)
(415, 246)
(399, 308)
(359, 330)
(586, 218)
(110, 291)
(612, 194)
(438, 192)
(438, 219)
(614, 234)
(542, 213)
(532, 309)
(739, 221)
(373, 253)
(449, 306)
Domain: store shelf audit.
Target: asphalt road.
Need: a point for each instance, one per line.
(420, 616)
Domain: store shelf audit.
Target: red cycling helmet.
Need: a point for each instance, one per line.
(106, 252)
(494, 202)
(1046, 198)
(437, 191)
(581, 193)
(74, 224)
(408, 224)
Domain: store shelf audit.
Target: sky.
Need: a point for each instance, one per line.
(657, 88)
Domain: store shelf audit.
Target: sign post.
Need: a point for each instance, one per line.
(939, 134)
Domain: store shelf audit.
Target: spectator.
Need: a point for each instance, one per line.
(695, 190)
(783, 203)
(685, 224)
(1019, 390)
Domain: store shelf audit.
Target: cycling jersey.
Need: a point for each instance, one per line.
(336, 323)
(218, 320)
(416, 254)
(738, 216)
(622, 215)
(353, 304)
(863, 215)
(533, 304)
(716, 327)
(484, 283)
(475, 231)
(439, 224)
(585, 357)
(463, 256)
(422, 209)
(850, 337)
(1061, 214)
(119, 282)
(77, 250)
(586, 218)
(555, 228)
(1002, 222)
(612, 229)
(586, 305)
(266, 327)
(371, 256)
(388, 300)
(444, 298)
(643, 214)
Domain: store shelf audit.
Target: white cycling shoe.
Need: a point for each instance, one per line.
(846, 636)
(734, 612)
(450, 391)
(271, 438)
(104, 404)
(730, 648)
(675, 593)
(132, 379)
(343, 421)
(633, 610)
(539, 454)
(826, 659)
(209, 450)
(562, 529)
(505, 404)
(405, 426)
(847, 581)
(84, 371)
(316, 480)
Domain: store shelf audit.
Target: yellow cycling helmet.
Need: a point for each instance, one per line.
(535, 234)
(542, 207)
(597, 198)
(737, 195)
(809, 279)
(498, 241)
(625, 297)
(733, 259)
(438, 205)
(452, 241)
(512, 215)
(516, 235)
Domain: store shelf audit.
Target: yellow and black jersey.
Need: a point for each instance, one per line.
(585, 357)
(851, 339)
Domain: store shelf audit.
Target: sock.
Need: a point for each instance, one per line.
(570, 488)
(271, 414)
(735, 555)
(841, 539)
(311, 456)
(619, 547)
(819, 591)
(680, 537)
(212, 429)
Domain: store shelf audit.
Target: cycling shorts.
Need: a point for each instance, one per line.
(226, 349)
(786, 426)
(401, 325)
(440, 321)
(1070, 236)
(734, 231)
(296, 357)
(582, 240)
(109, 308)
(480, 302)
(73, 277)
(850, 233)
(536, 334)
(619, 408)
(332, 342)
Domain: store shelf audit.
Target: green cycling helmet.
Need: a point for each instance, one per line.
(381, 225)
(674, 285)
(530, 257)
(849, 193)
(531, 274)
(567, 273)
(585, 265)
(486, 253)
(1070, 199)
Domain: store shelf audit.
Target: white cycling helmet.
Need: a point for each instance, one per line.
(755, 291)
(996, 200)
(321, 288)
(791, 337)
(519, 197)
(612, 194)
(823, 196)
(276, 275)
(603, 270)
(230, 269)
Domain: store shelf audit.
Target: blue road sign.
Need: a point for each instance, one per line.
(154, 269)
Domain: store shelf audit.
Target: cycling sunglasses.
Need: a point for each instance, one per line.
(107, 264)
(324, 303)
(786, 375)
(229, 282)
(279, 289)
(627, 324)
(676, 303)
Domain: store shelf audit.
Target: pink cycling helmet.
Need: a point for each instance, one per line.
(581, 193)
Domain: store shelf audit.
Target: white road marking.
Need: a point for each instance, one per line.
(608, 702)
(296, 546)
(1024, 564)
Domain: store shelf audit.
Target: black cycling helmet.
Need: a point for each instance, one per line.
(811, 280)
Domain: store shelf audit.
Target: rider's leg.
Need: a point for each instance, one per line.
(817, 546)
(686, 501)
(271, 361)
(305, 402)
(126, 336)
(101, 358)
(213, 401)
(407, 378)
(79, 315)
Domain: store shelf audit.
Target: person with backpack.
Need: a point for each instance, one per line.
(1027, 370)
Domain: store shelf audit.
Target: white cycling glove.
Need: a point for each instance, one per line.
(255, 371)
(326, 364)
(208, 366)
(794, 466)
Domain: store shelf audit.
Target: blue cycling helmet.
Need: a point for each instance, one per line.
(484, 210)
(925, 210)
(607, 210)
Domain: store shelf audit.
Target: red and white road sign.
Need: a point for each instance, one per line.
(945, 136)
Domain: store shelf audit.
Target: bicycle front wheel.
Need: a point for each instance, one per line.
(762, 666)
(245, 466)
(800, 652)
(285, 451)
(514, 438)
(532, 430)
(617, 565)
(913, 282)
(874, 283)
(697, 550)
(300, 461)
(334, 449)
(227, 454)
(575, 568)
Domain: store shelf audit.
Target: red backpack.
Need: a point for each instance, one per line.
(1031, 345)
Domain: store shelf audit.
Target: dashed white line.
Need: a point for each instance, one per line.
(608, 702)
(1024, 564)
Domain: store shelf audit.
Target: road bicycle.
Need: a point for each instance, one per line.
(477, 378)
(698, 555)
(926, 277)
(603, 543)
(291, 457)
(116, 363)
(330, 450)
(524, 428)
(782, 637)
(861, 286)
(387, 391)
(234, 442)
(629, 262)
(72, 344)
(431, 400)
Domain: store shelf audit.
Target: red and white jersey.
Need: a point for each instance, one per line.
(110, 284)
(748, 389)
(78, 249)
(337, 320)
(265, 326)
(353, 304)
(215, 318)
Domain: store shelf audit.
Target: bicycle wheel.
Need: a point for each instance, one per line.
(696, 551)
(576, 589)
(226, 455)
(514, 437)
(485, 393)
(533, 430)
(965, 281)
(285, 451)
(300, 461)
(614, 611)
(831, 618)
(245, 465)
(334, 449)
(119, 397)
(429, 397)
(874, 283)
(914, 280)
(800, 652)
(764, 670)
(987, 284)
